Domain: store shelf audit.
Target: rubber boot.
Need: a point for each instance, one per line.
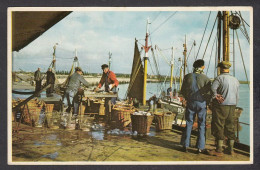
(218, 151)
(230, 147)
(219, 145)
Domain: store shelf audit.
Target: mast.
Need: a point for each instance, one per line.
(146, 48)
(172, 64)
(185, 54)
(76, 61)
(180, 73)
(225, 36)
(219, 39)
(54, 58)
(109, 59)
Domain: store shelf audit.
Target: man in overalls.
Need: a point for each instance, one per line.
(195, 86)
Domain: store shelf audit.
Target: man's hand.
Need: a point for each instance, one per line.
(111, 86)
(96, 89)
(184, 103)
(219, 98)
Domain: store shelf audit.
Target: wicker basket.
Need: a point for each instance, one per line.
(122, 116)
(164, 120)
(49, 108)
(141, 123)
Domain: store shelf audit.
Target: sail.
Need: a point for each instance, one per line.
(136, 85)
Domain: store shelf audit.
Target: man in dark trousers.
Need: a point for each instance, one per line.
(110, 82)
(225, 90)
(38, 80)
(50, 79)
(71, 98)
(195, 86)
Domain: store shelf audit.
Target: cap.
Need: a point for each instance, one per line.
(78, 69)
(104, 66)
(198, 63)
(224, 64)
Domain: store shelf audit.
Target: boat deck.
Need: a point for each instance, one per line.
(103, 144)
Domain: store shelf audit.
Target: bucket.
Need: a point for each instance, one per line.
(141, 123)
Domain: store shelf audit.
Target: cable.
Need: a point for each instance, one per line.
(164, 22)
(242, 18)
(203, 35)
(209, 38)
(242, 57)
(211, 54)
(156, 17)
(247, 38)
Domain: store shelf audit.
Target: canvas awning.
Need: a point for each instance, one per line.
(29, 25)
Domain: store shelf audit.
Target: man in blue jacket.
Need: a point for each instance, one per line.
(195, 87)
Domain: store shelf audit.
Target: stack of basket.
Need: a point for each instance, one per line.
(121, 115)
(141, 122)
(164, 120)
(31, 112)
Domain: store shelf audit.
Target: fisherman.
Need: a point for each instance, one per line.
(225, 90)
(110, 82)
(152, 103)
(71, 97)
(195, 87)
(169, 93)
(50, 79)
(38, 80)
(109, 79)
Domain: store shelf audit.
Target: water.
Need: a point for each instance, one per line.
(244, 102)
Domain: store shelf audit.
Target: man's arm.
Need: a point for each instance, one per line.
(83, 81)
(114, 79)
(101, 82)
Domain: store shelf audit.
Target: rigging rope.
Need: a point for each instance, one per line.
(203, 36)
(242, 18)
(189, 55)
(163, 55)
(242, 58)
(163, 22)
(248, 39)
(209, 37)
(211, 54)
(156, 17)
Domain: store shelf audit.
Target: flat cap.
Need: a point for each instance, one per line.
(78, 69)
(224, 64)
(104, 66)
(198, 63)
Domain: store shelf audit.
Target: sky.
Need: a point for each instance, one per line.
(96, 33)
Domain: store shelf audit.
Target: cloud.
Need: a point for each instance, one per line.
(94, 34)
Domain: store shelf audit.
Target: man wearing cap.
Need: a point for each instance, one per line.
(109, 80)
(71, 96)
(225, 90)
(195, 88)
(50, 79)
(38, 80)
